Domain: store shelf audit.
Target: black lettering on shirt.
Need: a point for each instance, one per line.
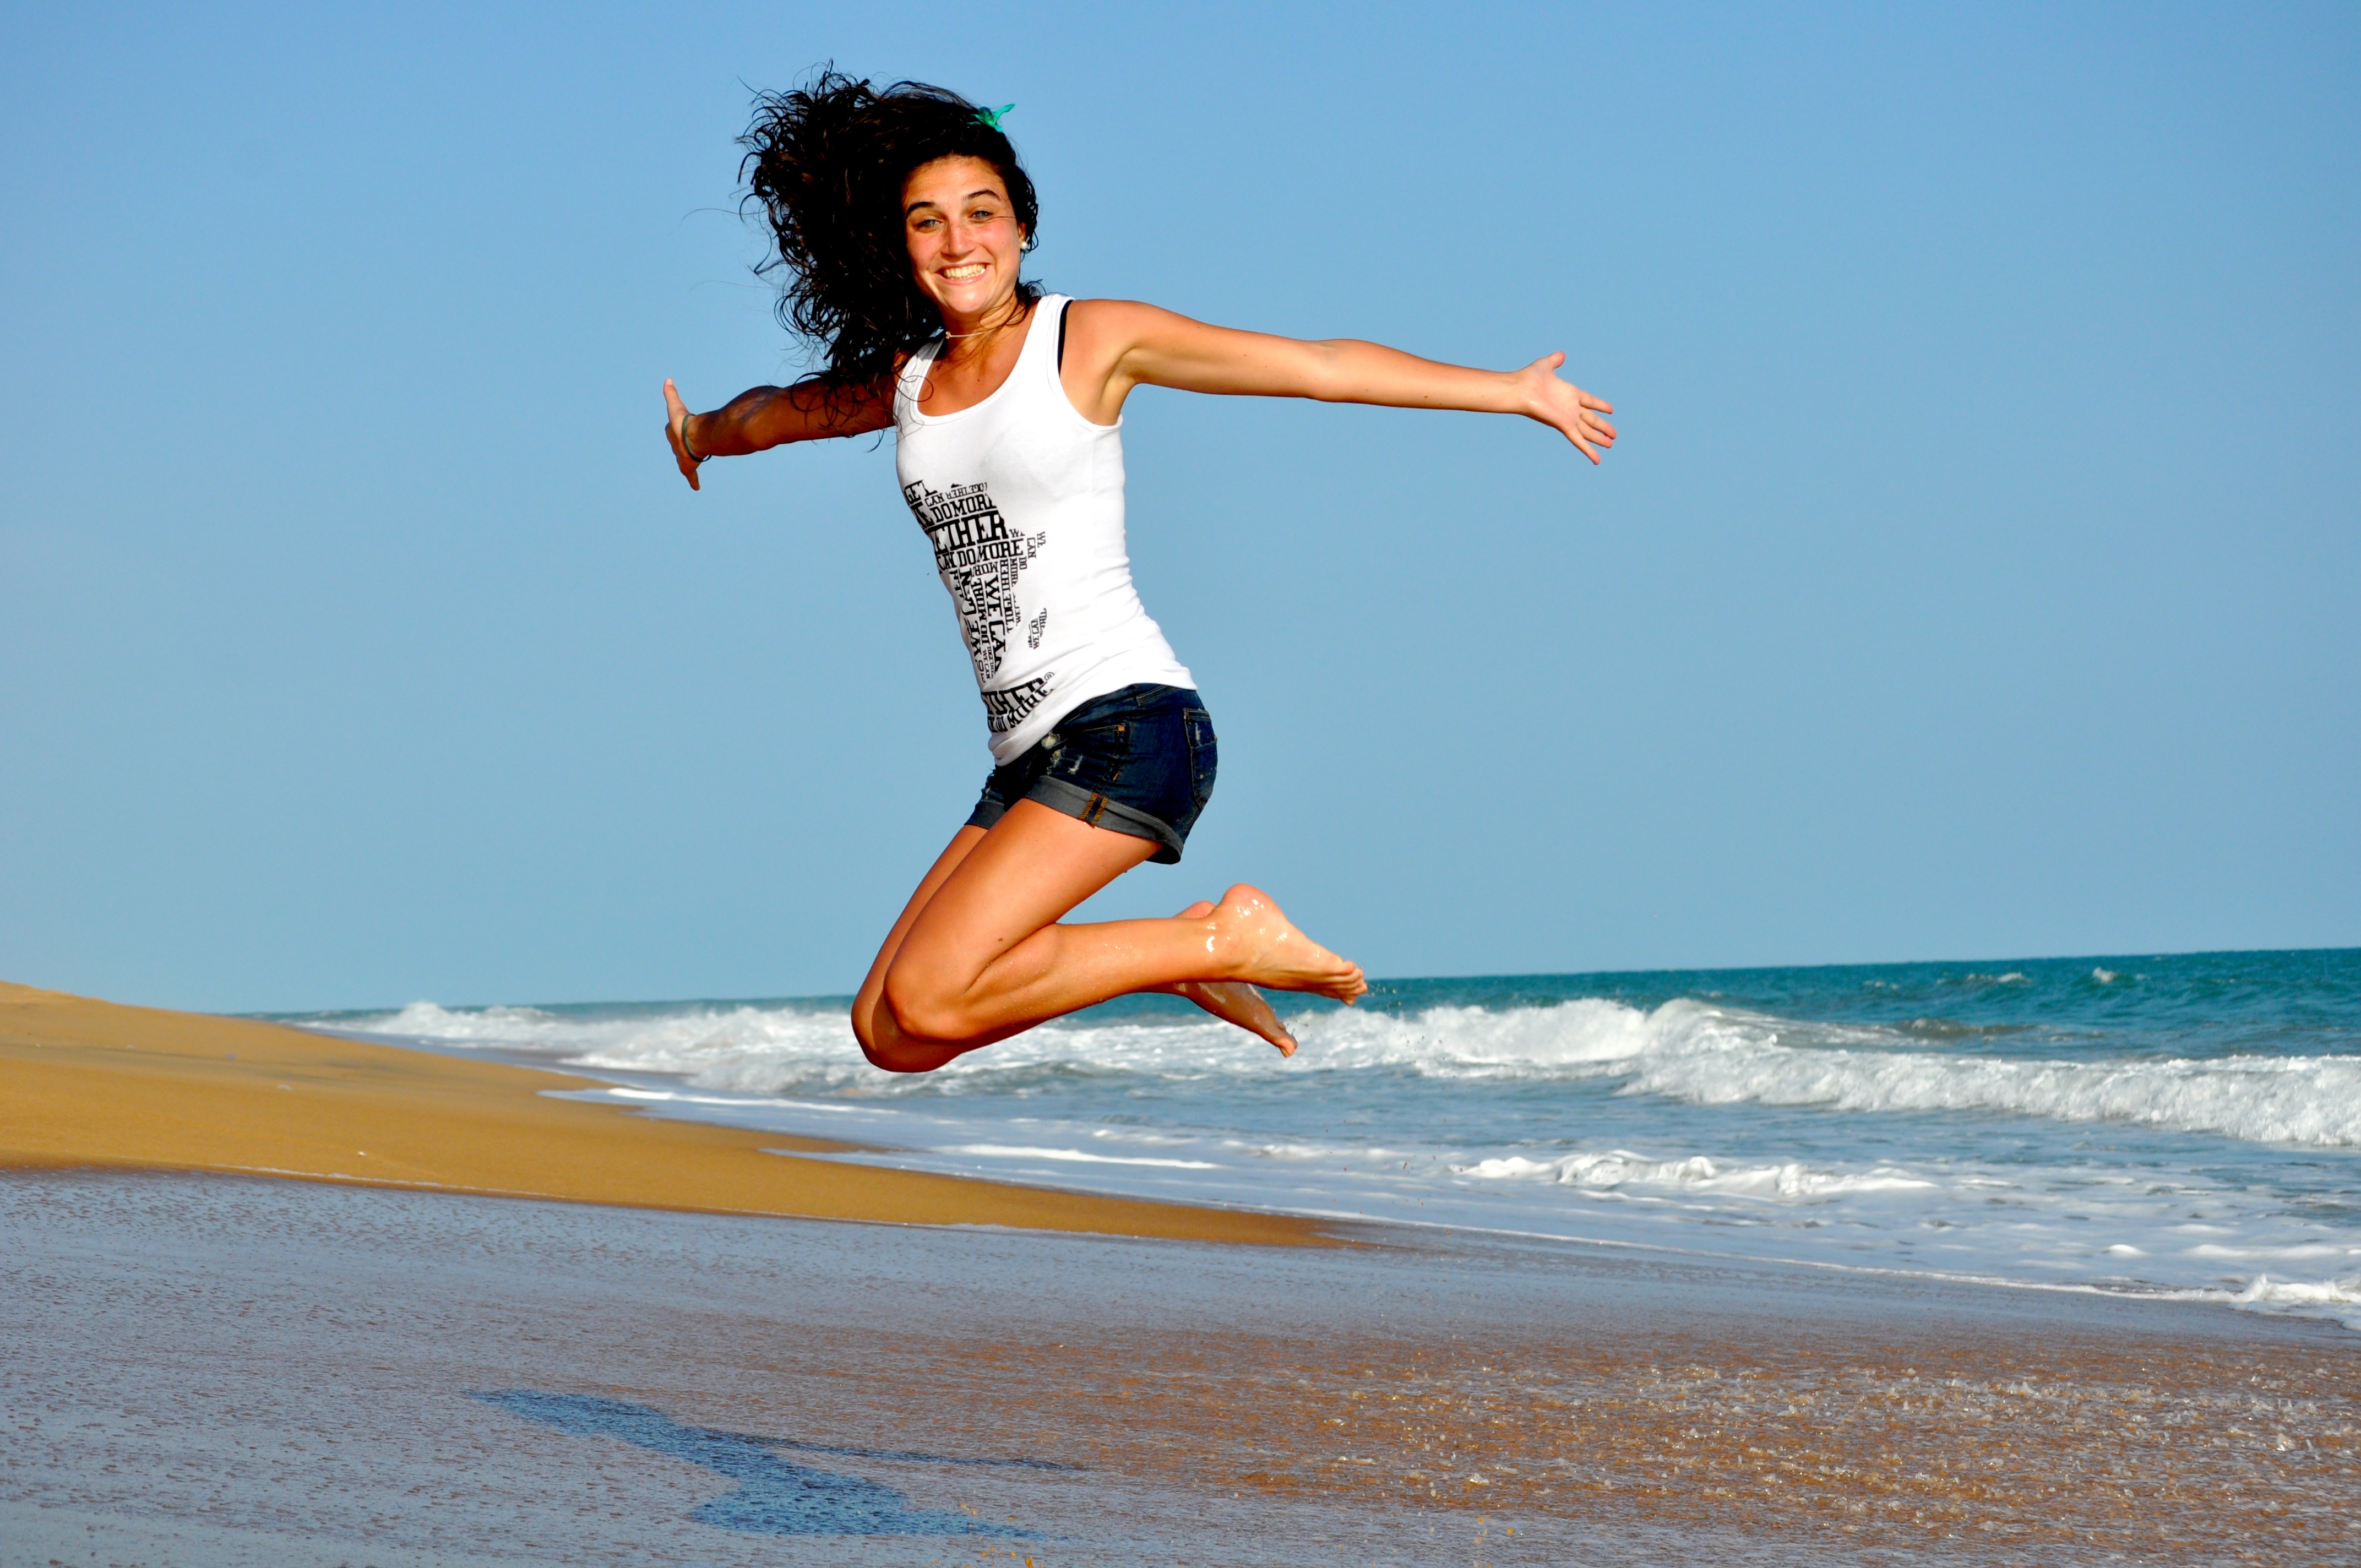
(979, 557)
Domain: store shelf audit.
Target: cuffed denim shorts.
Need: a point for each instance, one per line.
(1139, 761)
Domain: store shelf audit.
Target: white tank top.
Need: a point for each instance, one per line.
(1022, 498)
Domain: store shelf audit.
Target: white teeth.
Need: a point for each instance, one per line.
(975, 271)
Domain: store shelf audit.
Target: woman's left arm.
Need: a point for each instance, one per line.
(1114, 346)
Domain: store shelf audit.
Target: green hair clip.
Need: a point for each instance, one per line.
(992, 116)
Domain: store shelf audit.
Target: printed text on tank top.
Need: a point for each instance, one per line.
(1021, 499)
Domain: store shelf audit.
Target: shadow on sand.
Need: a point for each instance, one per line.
(774, 1495)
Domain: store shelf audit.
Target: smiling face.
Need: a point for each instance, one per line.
(965, 242)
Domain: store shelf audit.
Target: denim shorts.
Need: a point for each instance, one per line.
(1139, 761)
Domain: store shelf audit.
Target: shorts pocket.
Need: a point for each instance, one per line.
(1092, 755)
(1204, 759)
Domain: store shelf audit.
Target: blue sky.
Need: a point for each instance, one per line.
(1975, 577)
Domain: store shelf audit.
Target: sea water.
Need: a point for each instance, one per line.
(2186, 1125)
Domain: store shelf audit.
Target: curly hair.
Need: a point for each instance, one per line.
(827, 163)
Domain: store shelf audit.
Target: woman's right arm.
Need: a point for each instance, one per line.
(763, 417)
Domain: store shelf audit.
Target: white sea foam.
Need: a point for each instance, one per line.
(1711, 1055)
(1076, 1156)
(1585, 1118)
(1619, 1168)
(2299, 1293)
(2314, 1101)
(1685, 1050)
(754, 1051)
(2336, 1299)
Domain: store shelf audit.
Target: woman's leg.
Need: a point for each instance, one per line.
(1232, 1001)
(980, 956)
(870, 1022)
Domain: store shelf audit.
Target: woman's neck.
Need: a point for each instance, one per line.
(973, 335)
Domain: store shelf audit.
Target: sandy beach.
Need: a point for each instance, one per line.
(84, 1082)
(679, 1362)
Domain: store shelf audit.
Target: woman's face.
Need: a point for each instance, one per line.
(964, 240)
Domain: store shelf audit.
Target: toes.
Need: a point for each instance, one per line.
(1196, 911)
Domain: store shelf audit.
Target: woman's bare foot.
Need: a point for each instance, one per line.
(1233, 1001)
(1264, 947)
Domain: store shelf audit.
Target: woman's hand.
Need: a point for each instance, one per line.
(677, 432)
(1564, 407)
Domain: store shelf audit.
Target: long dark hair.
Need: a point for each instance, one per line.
(827, 164)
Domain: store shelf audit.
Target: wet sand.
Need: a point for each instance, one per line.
(216, 1371)
(84, 1082)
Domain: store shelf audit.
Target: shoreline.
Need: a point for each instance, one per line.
(956, 1136)
(88, 1083)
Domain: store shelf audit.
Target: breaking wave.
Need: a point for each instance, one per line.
(1684, 1050)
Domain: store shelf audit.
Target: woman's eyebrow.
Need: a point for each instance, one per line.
(970, 196)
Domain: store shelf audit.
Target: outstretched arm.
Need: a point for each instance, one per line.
(1114, 346)
(763, 417)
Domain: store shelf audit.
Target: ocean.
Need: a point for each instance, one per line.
(2183, 1125)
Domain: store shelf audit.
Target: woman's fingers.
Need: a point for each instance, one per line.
(676, 423)
(1586, 431)
(1586, 424)
(1588, 403)
(1566, 408)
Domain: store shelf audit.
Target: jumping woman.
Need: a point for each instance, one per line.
(902, 217)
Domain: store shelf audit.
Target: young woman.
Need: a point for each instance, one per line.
(901, 217)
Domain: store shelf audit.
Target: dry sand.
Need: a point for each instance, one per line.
(92, 1084)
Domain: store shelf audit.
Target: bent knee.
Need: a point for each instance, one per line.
(890, 1045)
(900, 1054)
(924, 1010)
(900, 1058)
(879, 1052)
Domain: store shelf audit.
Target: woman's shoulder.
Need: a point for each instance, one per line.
(1113, 327)
(1127, 313)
